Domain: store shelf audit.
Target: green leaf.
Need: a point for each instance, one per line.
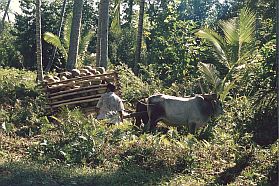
(55, 41)
(227, 87)
(216, 41)
(247, 23)
(230, 30)
(210, 74)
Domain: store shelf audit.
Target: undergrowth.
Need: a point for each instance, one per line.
(70, 148)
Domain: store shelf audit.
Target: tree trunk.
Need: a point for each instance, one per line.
(139, 37)
(75, 35)
(59, 35)
(98, 44)
(277, 51)
(39, 42)
(4, 17)
(104, 33)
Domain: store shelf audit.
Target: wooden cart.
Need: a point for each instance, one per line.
(83, 92)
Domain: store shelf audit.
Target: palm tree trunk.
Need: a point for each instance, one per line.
(39, 42)
(98, 44)
(277, 50)
(104, 33)
(139, 37)
(4, 17)
(59, 35)
(75, 35)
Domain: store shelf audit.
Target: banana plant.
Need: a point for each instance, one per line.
(235, 50)
(64, 43)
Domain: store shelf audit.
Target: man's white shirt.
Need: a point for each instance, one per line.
(110, 104)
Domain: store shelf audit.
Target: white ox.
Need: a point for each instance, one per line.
(177, 111)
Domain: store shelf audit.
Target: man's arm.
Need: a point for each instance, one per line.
(98, 106)
(121, 107)
(97, 111)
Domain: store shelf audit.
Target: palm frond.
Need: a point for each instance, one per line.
(55, 41)
(226, 89)
(244, 58)
(247, 20)
(230, 30)
(216, 41)
(210, 74)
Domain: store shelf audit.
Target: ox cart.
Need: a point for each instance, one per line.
(78, 90)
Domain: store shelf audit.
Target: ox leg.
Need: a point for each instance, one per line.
(141, 108)
(155, 114)
(150, 126)
(153, 124)
(138, 121)
(192, 128)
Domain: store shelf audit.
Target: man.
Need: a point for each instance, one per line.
(110, 106)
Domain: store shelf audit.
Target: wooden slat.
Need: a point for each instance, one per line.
(75, 102)
(77, 89)
(76, 99)
(84, 78)
(75, 93)
(75, 83)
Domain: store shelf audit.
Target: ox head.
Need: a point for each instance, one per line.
(216, 104)
(217, 107)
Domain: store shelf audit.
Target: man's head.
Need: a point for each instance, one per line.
(110, 87)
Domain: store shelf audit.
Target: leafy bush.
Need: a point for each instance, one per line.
(9, 56)
(77, 139)
(134, 88)
(22, 103)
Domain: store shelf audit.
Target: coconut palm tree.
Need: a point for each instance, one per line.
(102, 41)
(234, 51)
(39, 42)
(75, 34)
(102, 33)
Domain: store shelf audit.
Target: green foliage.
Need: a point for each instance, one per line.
(223, 152)
(55, 41)
(175, 53)
(122, 47)
(9, 56)
(63, 46)
(74, 141)
(25, 28)
(21, 102)
(235, 51)
(133, 88)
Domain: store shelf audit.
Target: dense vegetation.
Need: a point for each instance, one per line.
(184, 49)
